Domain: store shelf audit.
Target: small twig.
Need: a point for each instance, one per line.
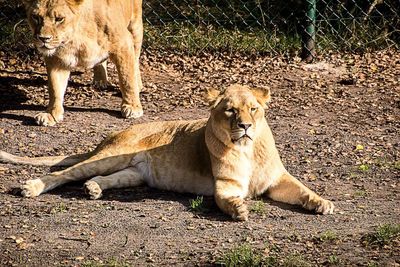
(371, 8)
(126, 241)
(77, 239)
(261, 11)
(15, 27)
(74, 238)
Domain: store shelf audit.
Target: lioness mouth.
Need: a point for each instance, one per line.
(48, 47)
(45, 47)
(242, 137)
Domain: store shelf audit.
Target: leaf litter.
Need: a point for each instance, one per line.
(328, 119)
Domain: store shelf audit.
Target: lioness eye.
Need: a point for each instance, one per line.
(59, 19)
(230, 111)
(253, 110)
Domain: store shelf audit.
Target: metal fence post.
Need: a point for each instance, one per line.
(309, 51)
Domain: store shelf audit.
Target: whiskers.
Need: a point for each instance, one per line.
(236, 134)
(48, 48)
(46, 51)
(240, 134)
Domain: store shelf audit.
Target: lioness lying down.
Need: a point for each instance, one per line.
(84, 33)
(232, 155)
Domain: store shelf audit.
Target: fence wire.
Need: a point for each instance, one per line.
(253, 27)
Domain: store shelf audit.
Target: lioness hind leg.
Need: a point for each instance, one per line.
(128, 177)
(100, 76)
(96, 165)
(124, 60)
(135, 27)
(290, 190)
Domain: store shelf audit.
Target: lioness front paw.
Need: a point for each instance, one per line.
(240, 211)
(46, 119)
(32, 188)
(93, 189)
(324, 207)
(131, 112)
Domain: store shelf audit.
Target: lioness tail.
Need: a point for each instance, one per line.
(64, 161)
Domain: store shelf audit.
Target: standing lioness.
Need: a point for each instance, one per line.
(232, 155)
(84, 33)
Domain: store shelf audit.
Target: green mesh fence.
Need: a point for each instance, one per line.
(273, 27)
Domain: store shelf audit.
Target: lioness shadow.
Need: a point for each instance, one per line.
(138, 194)
(285, 206)
(209, 210)
(14, 98)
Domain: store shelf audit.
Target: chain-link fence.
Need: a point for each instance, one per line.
(255, 27)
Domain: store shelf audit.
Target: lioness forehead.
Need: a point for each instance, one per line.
(238, 95)
(48, 5)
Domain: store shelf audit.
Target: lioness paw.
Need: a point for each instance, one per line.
(32, 188)
(240, 211)
(93, 189)
(325, 207)
(46, 119)
(131, 112)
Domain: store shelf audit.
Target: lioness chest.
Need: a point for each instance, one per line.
(85, 54)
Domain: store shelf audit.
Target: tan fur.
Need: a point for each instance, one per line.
(232, 156)
(84, 33)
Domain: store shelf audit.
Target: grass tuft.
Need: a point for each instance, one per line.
(245, 255)
(396, 165)
(109, 263)
(197, 204)
(61, 207)
(363, 167)
(258, 207)
(383, 235)
(328, 236)
(372, 264)
(333, 260)
(360, 193)
(295, 260)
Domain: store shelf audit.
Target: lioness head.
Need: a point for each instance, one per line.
(237, 113)
(52, 22)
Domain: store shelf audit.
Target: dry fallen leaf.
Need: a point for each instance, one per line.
(19, 240)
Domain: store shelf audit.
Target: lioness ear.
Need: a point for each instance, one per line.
(212, 96)
(263, 95)
(27, 2)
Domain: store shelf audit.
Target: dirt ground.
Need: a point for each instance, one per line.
(336, 124)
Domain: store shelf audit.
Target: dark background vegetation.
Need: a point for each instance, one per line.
(256, 27)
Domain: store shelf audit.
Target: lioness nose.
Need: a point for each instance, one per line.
(244, 125)
(45, 38)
